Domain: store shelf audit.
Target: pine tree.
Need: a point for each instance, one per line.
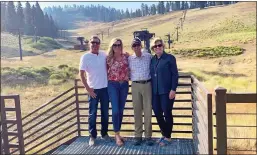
(153, 9)
(178, 5)
(53, 28)
(10, 18)
(3, 10)
(201, 4)
(28, 27)
(173, 6)
(33, 15)
(20, 16)
(47, 26)
(39, 20)
(162, 7)
(167, 8)
(127, 13)
(186, 5)
(146, 10)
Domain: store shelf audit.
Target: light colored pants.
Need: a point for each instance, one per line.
(142, 102)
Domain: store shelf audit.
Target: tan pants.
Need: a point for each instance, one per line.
(142, 102)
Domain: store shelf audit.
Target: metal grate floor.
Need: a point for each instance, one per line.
(80, 146)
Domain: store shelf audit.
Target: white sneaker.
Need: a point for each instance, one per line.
(91, 141)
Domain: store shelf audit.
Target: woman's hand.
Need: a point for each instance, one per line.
(172, 94)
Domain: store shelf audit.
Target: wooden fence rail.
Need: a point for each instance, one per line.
(222, 99)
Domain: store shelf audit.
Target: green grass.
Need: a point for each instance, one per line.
(28, 76)
(209, 52)
(45, 44)
(10, 45)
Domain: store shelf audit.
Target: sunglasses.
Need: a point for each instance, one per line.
(94, 42)
(155, 46)
(116, 45)
(136, 45)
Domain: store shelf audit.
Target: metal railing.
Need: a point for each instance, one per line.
(128, 118)
(50, 125)
(65, 117)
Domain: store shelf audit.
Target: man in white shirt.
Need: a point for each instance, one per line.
(139, 64)
(93, 64)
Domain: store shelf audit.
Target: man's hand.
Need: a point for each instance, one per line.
(172, 94)
(126, 54)
(91, 92)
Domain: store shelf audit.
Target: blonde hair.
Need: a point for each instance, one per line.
(156, 39)
(110, 47)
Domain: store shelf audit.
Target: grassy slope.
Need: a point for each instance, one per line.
(10, 45)
(208, 27)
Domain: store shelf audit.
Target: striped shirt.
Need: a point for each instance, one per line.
(140, 67)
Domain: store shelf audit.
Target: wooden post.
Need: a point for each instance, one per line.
(210, 123)
(19, 124)
(181, 23)
(221, 120)
(77, 106)
(4, 128)
(20, 44)
(177, 33)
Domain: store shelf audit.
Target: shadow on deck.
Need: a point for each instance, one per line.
(80, 146)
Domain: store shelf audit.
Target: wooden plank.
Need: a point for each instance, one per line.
(201, 118)
(132, 123)
(175, 116)
(130, 108)
(200, 97)
(197, 105)
(11, 121)
(77, 107)
(201, 134)
(132, 130)
(179, 100)
(199, 128)
(221, 120)
(12, 133)
(10, 109)
(241, 98)
(210, 123)
(198, 145)
(9, 96)
(199, 84)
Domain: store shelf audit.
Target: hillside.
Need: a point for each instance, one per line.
(212, 26)
(10, 45)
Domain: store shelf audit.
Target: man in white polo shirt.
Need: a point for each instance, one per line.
(93, 64)
(139, 64)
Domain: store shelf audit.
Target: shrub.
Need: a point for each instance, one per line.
(62, 66)
(210, 52)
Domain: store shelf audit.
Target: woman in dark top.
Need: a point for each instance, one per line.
(164, 73)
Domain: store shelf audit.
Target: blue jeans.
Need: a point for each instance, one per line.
(118, 95)
(102, 95)
(162, 107)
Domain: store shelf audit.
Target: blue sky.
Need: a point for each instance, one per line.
(117, 5)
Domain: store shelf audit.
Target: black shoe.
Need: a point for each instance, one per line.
(138, 141)
(149, 141)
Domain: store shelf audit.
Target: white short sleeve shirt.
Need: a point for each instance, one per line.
(96, 70)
